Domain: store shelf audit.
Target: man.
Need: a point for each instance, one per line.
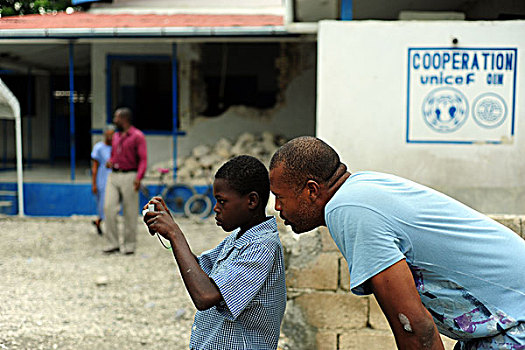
(128, 163)
(431, 262)
(99, 173)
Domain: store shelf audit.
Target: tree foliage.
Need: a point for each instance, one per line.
(26, 7)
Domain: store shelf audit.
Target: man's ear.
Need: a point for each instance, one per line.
(253, 200)
(313, 188)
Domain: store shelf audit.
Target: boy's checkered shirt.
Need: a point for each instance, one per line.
(249, 272)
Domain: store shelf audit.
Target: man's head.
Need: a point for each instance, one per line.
(241, 188)
(122, 118)
(108, 134)
(301, 172)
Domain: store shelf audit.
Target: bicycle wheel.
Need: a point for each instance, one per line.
(145, 192)
(176, 196)
(198, 207)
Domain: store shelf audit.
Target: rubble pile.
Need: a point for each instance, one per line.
(204, 161)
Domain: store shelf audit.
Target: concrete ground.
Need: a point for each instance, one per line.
(59, 291)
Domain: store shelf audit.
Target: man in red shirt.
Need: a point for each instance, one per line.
(128, 162)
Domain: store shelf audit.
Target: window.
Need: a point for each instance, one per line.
(239, 74)
(144, 84)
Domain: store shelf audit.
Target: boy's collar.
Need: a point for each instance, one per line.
(270, 224)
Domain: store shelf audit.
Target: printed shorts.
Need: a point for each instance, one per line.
(511, 339)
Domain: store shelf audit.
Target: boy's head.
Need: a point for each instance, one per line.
(241, 188)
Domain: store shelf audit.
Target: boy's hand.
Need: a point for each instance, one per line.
(159, 204)
(160, 221)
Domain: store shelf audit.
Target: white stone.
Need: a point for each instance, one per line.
(191, 164)
(223, 148)
(245, 138)
(200, 151)
(209, 160)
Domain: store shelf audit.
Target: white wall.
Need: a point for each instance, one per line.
(362, 109)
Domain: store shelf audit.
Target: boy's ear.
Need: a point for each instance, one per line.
(253, 200)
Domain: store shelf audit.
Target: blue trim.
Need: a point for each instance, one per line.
(347, 11)
(408, 98)
(77, 2)
(58, 199)
(13, 209)
(109, 116)
(72, 110)
(456, 142)
(442, 142)
(514, 92)
(66, 199)
(461, 49)
(175, 105)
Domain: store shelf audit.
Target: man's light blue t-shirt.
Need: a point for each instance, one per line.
(468, 269)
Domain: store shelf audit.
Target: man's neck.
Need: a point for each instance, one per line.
(337, 180)
(330, 188)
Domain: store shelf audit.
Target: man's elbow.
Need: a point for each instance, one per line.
(428, 335)
(421, 334)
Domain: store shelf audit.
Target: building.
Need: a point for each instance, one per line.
(196, 71)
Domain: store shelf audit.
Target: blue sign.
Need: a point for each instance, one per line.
(461, 95)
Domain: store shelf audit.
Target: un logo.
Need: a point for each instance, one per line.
(445, 109)
(489, 110)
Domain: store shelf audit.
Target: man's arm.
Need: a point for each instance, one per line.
(203, 291)
(142, 154)
(396, 293)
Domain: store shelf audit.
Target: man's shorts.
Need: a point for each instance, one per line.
(511, 339)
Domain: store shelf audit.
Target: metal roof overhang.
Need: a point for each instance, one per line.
(145, 32)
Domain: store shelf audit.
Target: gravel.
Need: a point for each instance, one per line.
(59, 291)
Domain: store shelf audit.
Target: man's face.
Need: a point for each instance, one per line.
(118, 121)
(295, 208)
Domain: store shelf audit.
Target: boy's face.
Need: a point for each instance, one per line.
(232, 209)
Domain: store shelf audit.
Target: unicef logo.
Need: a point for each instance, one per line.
(489, 110)
(445, 109)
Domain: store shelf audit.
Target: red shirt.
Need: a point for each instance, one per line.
(129, 151)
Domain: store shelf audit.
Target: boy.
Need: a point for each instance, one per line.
(99, 173)
(238, 287)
